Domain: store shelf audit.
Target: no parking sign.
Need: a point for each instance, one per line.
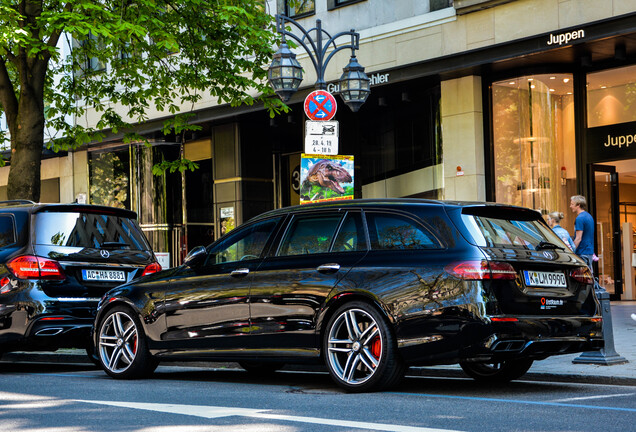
(320, 105)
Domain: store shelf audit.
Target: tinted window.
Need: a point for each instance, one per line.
(309, 234)
(391, 231)
(245, 244)
(503, 232)
(351, 235)
(7, 231)
(88, 230)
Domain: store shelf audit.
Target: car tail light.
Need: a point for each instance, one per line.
(482, 270)
(33, 267)
(152, 268)
(583, 275)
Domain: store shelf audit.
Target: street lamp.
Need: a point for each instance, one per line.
(285, 73)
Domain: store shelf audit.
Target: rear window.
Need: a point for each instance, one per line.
(7, 231)
(88, 230)
(509, 229)
(397, 232)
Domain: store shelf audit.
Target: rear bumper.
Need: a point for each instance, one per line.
(487, 341)
(32, 321)
(536, 338)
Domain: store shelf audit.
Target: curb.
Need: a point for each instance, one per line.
(450, 371)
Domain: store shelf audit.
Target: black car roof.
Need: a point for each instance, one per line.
(382, 202)
(31, 207)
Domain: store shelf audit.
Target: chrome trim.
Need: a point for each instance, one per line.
(101, 264)
(54, 331)
(402, 343)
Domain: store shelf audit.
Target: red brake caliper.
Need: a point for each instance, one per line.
(135, 346)
(376, 347)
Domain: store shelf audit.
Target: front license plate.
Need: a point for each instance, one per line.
(545, 279)
(104, 275)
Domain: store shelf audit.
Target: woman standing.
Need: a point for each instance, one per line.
(553, 220)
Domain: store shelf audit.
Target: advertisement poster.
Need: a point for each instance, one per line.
(227, 220)
(325, 178)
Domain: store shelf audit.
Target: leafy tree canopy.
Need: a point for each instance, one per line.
(126, 59)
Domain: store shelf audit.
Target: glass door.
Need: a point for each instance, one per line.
(605, 192)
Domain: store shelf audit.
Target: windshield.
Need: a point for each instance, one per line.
(88, 230)
(491, 231)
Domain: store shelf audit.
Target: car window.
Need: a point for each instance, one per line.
(351, 235)
(7, 231)
(392, 231)
(88, 230)
(509, 232)
(244, 244)
(309, 235)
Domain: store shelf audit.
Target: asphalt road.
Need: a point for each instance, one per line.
(78, 398)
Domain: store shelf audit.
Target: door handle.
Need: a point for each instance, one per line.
(328, 268)
(240, 272)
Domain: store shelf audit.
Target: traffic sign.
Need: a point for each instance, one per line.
(320, 105)
(321, 137)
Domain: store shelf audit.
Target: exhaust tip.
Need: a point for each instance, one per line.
(50, 331)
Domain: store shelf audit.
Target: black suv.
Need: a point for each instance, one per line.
(368, 287)
(56, 262)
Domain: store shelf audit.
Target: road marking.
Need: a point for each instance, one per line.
(567, 405)
(212, 412)
(594, 397)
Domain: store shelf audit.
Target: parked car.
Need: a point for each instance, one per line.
(56, 262)
(368, 287)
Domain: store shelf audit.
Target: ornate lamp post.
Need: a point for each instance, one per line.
(285, 73)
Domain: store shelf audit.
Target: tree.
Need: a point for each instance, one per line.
(126, 58)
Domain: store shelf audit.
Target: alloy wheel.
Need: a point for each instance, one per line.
(354, 346)
(118, 342)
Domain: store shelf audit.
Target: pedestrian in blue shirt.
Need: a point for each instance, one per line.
(554, 219)
(583, 230)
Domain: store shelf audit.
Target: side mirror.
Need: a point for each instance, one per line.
(195, 256)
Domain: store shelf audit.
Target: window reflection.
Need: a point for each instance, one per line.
(534, 142)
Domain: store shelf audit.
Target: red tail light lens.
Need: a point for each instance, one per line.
(583, 275)
(482, 270)
(32, 267)
(152, 268)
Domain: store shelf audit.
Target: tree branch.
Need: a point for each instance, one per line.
(7, 95)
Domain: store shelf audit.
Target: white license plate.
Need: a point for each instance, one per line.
(545, 279)
(104, 275)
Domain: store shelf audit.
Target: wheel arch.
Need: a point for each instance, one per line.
(103, 310)
(338, 300)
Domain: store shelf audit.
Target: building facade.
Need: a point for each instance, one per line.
(525, 102)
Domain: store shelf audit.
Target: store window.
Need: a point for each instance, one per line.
(534, 142)
(611, 97)
(109, 177)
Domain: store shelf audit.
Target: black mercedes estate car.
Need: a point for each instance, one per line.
(368, 287)
(56, 262)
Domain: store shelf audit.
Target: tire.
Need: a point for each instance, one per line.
(501, 372)
(261, 368)
(122, 346)
(360, 349)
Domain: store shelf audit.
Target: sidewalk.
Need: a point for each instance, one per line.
(557, 368)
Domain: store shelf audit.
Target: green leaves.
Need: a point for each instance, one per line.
(117, 64)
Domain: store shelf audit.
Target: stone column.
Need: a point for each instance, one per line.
(463, 139)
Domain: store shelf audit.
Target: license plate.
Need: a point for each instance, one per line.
(104, 275)
(545, 279)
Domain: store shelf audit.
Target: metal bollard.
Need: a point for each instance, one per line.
(605, 356)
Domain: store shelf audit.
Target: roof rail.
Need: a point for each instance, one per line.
(18, 201)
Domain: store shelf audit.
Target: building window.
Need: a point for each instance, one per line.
(299, 8)
(611, 97)
(94, 64)
(333, 4)
(533, 142)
